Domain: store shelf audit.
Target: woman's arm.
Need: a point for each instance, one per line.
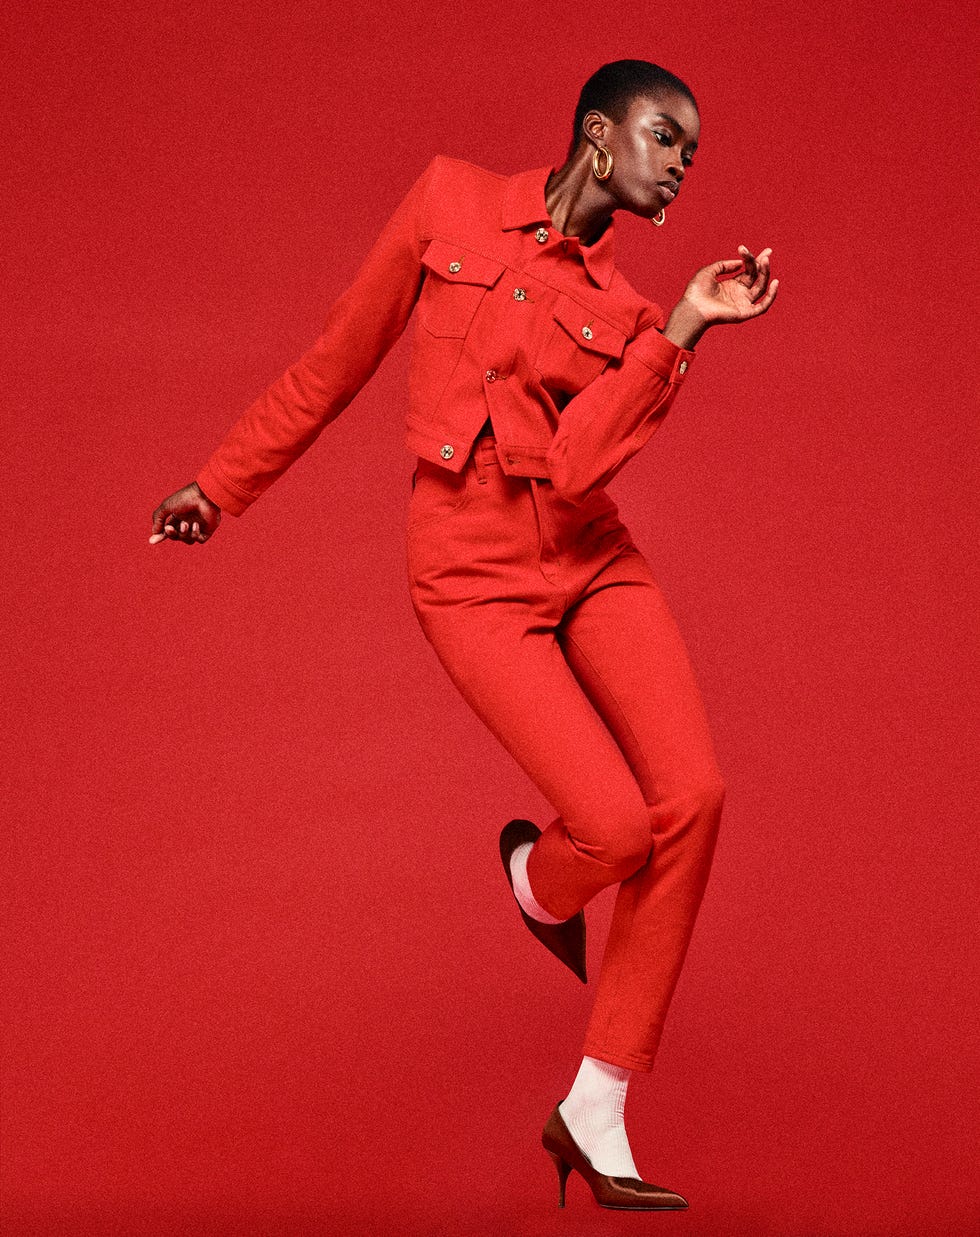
(608, 422)
(360, 328)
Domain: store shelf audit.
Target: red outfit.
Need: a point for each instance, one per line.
(528, 586)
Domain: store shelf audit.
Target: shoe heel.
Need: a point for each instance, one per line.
(563, 1171)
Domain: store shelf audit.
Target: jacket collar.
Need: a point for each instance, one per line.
(524, 204)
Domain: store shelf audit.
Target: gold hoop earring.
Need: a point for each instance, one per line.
(601, 150)
(660, 218)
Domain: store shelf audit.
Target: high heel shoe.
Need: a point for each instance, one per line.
(617, 1193)
(566, 940)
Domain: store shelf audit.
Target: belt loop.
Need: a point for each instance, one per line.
(479, 465)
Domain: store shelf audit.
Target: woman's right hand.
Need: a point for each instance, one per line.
(189, 516)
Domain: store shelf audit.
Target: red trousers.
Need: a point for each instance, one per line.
(549, 622)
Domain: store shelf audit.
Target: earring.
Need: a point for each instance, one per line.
(601, 150)
(660, 218)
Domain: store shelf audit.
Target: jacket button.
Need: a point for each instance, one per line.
(541, 235)
(682, 368)
(491, 375)
(520, 294)
(454, 267)
(446, 452)
(587, 332)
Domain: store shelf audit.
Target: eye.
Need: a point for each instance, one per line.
(665, 138)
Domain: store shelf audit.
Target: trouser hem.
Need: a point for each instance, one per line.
(625, 1060)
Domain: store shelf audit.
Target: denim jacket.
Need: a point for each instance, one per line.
(514, 322)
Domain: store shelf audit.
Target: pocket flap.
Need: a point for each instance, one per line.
(587, 330)
(461, 265)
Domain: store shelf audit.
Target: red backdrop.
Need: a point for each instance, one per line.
(262, 971)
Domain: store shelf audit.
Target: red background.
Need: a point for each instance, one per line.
(263, 973)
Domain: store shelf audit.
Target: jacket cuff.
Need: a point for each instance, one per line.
(662, 355)
(224, 494)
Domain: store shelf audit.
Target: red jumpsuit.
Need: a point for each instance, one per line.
(536, 373)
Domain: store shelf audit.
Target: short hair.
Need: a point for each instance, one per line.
(613, 88)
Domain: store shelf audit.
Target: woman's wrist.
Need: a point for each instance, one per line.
(685, 326)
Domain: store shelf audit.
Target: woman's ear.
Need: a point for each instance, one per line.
(595, 125)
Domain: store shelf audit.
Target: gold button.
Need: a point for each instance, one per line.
(587, 332)
(682, 368)
(520, 294)
(454, 267)
(491, 375)
(541, 235)
(446, 452)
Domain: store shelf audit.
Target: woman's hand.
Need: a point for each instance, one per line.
(709, 299)
(189, 516)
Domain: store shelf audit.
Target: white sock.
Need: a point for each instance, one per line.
(522, 889)
(593, 1112)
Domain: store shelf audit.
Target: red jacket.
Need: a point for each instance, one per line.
(515, 322)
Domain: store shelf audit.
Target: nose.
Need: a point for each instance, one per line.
(676, 169)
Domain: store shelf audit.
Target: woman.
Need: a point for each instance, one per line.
(536, 373)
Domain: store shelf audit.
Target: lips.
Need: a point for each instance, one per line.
(669, 189)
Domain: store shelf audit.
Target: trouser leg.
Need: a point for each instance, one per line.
(490, 613)
(507, 664)
(625, 649)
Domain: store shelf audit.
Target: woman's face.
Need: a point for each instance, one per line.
(652, 148)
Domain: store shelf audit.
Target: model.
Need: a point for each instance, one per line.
(536, 373)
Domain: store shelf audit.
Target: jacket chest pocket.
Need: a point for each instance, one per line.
(577, 347)
(456, 281)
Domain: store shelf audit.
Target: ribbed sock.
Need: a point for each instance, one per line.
(593, 1111)
(522, 889)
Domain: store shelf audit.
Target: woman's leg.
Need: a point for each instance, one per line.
(626, 651)
(491, 615)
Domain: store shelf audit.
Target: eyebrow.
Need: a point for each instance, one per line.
(677, 125)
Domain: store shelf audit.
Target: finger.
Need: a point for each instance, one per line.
(750, 266)
(760, 307)
(761, 281)
(727, 266)
(158, 537)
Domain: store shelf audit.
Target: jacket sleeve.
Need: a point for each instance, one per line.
(360, 328)
(606, 423)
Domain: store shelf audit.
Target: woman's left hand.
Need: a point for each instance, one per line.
(746, 295)
(710, 299)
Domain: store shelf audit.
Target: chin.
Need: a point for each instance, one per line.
(642, 206)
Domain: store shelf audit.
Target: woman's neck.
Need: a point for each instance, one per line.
(575, 201)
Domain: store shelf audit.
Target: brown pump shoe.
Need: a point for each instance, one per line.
(566, 940)
(617, 1193)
